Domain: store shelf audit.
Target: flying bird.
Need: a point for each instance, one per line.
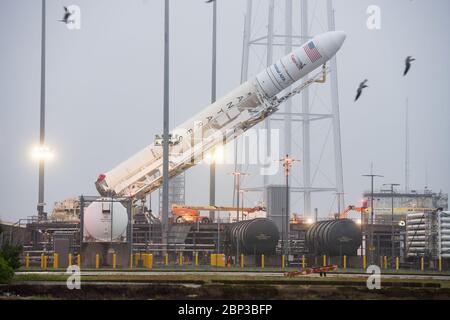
(208, 1)
(67, 15)
(408, 61)
(362, 85)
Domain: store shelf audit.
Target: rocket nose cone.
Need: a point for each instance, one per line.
(331, 42)
(339, 38)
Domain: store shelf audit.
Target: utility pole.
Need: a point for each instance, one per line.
(165, 142)
(364, 239)
(212, 166)
(407, 147)
(371, 248)
(287, 164)
(392, 185)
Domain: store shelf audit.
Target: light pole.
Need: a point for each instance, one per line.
(212, 166)
(392, 185)
(287, 164)
(371, 248)
(40, 205)
(165, 138)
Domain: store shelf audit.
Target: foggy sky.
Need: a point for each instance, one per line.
(105, 94)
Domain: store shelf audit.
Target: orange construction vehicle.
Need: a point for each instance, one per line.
(344, 214)
(191, 214)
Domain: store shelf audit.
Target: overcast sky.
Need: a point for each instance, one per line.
(105, 81)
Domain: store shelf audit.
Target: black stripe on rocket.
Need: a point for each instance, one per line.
(285, 69)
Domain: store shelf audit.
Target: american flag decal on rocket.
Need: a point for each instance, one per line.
(312, 52)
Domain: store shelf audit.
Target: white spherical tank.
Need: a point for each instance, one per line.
(97, 221)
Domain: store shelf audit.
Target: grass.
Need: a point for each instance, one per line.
(238, 279)
(206, 268)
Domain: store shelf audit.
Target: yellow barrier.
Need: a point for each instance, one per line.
(43, 262)
(422, 264)
(180, 259)
(217, 260)
(324, 260)
(385, 262)
(282, 262)
(397, 263)
(364, 262)
(79, 260)
(196, 259)
(97, 261)
(27, 261)
(440, 264)
(136, 260)
(167, 259)
(262, 262)
(345, 263)
(147, 260)
(303, 262)
(69, 259)
(242, 260)
(55, 261)
(131, 261)
(114, 262)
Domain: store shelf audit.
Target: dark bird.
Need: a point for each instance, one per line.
(408, 61)
(362, 85)
(67, 15)
(209, 1)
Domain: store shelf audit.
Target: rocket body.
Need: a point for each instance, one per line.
(142, 173)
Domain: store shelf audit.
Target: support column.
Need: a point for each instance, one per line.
(269, 61)
(336, 114)
(306, 122)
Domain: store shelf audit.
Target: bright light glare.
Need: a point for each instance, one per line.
(216, 155)
(358, 221)
(309, 221)
(42, 153)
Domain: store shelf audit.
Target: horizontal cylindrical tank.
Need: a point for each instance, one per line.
(419, 215)
(334, 237)
(97, 221)
(415, 238)
(417, 221)
(415, 232)
(257, 236)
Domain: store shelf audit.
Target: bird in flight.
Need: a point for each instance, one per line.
(362, 86)
(408, 61)
(67, 15)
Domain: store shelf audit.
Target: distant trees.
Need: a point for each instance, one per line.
(6, 272)
(9, 260)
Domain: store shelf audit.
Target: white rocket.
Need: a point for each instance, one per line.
(228, 117)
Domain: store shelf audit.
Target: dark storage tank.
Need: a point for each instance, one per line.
(257, 236)
(334, 237)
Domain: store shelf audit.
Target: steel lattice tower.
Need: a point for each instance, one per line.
(304, 116)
